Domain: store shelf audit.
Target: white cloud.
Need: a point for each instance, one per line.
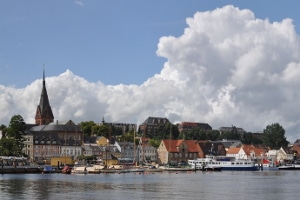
(228, 68)
(79, 2)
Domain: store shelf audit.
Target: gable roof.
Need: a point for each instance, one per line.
(171, 145)
(211, 148)
(233, 150)
(248, 149)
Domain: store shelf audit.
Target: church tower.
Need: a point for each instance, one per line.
(44, 113)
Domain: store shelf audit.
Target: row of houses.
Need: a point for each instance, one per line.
(60, 140)
(67, 139)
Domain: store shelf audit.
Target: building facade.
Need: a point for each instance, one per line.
(174, 152)
(56, 139)
(150, 127)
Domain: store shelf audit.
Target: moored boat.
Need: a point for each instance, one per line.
(238, 164)
(48, 169)
(205, 164)
(292, 165)
(95, 169)
(287, 167)
(223, 164)
(66, 170)
(79, 170)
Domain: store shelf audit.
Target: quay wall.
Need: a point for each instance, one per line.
(26, 169)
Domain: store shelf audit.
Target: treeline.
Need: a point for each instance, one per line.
(273, 135)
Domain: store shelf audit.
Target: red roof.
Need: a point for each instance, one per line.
(171, 145)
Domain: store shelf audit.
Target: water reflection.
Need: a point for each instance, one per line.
(220, 185)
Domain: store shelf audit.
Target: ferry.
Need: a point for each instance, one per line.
(224, 164)
(239, 164)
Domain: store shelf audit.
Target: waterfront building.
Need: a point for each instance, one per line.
(209, 148)
(28, 145)
(246, 152)
(127, 150)
(146, 153)
(174, 152)
(56, 139)
(47, 138)
(283, 154)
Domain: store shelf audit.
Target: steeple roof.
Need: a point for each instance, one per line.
(44, 101)
(44, 113)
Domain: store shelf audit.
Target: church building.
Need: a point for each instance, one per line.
(52, 139)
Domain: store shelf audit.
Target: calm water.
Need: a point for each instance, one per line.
(266, 185)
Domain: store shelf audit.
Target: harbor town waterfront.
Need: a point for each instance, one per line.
(225, 185)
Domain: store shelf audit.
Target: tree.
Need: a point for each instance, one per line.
(126, 137)
(212, 135)
(7, 146)
(274, 136)
(247, 138)
(3, 129)
(154, 143)
(16, 130)
(87, 127)
(104, 130)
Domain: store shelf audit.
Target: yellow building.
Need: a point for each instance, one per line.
(62, 160)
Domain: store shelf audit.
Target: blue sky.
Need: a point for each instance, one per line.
(109, 41)
(218, 62)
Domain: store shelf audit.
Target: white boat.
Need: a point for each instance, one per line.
(79, 170)
(205, 164)
(95, 168)
(136, 169)
(239, 164)
(292, 165)
(211, 163)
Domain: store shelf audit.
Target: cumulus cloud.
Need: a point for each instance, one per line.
(227, 68)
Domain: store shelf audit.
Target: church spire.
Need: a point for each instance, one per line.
(44, 113)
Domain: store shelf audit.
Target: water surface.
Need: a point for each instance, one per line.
(225, 185)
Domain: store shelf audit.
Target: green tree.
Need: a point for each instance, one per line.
(16, 130)
(247, 138)
(274, 136)
(154, 143)
(87, 127)
(3, 129)
(7, 146)
(104, 130)
(127, 137)
(212, 135)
